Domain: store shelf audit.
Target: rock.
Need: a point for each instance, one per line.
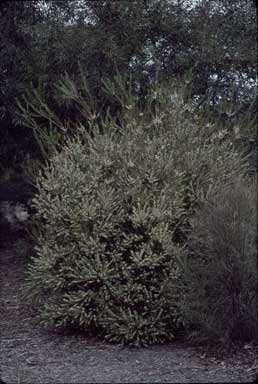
(13, 220)
(13, 213)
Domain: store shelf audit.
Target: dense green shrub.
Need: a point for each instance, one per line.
(220, 303)
(107, 209)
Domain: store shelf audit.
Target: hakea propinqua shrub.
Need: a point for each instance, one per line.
(106, 209)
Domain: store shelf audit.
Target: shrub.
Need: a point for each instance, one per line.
(108, 212)
(220, 274)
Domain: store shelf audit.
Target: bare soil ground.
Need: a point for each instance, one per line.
(30, 354)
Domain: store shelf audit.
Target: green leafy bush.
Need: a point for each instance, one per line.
(220, 274)
(108, 211)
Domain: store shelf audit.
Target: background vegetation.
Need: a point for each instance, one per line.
(42, 40)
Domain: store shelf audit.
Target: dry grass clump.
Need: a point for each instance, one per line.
(221, 271)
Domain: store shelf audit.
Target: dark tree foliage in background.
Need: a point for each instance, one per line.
(43, 40)
(29, 38)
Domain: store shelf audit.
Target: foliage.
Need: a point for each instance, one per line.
(224, 49)
(41, 40)
(220, 271)
(109, 210)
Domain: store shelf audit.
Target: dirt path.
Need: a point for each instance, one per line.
(32, 355)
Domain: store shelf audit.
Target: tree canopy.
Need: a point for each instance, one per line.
(43, 40)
